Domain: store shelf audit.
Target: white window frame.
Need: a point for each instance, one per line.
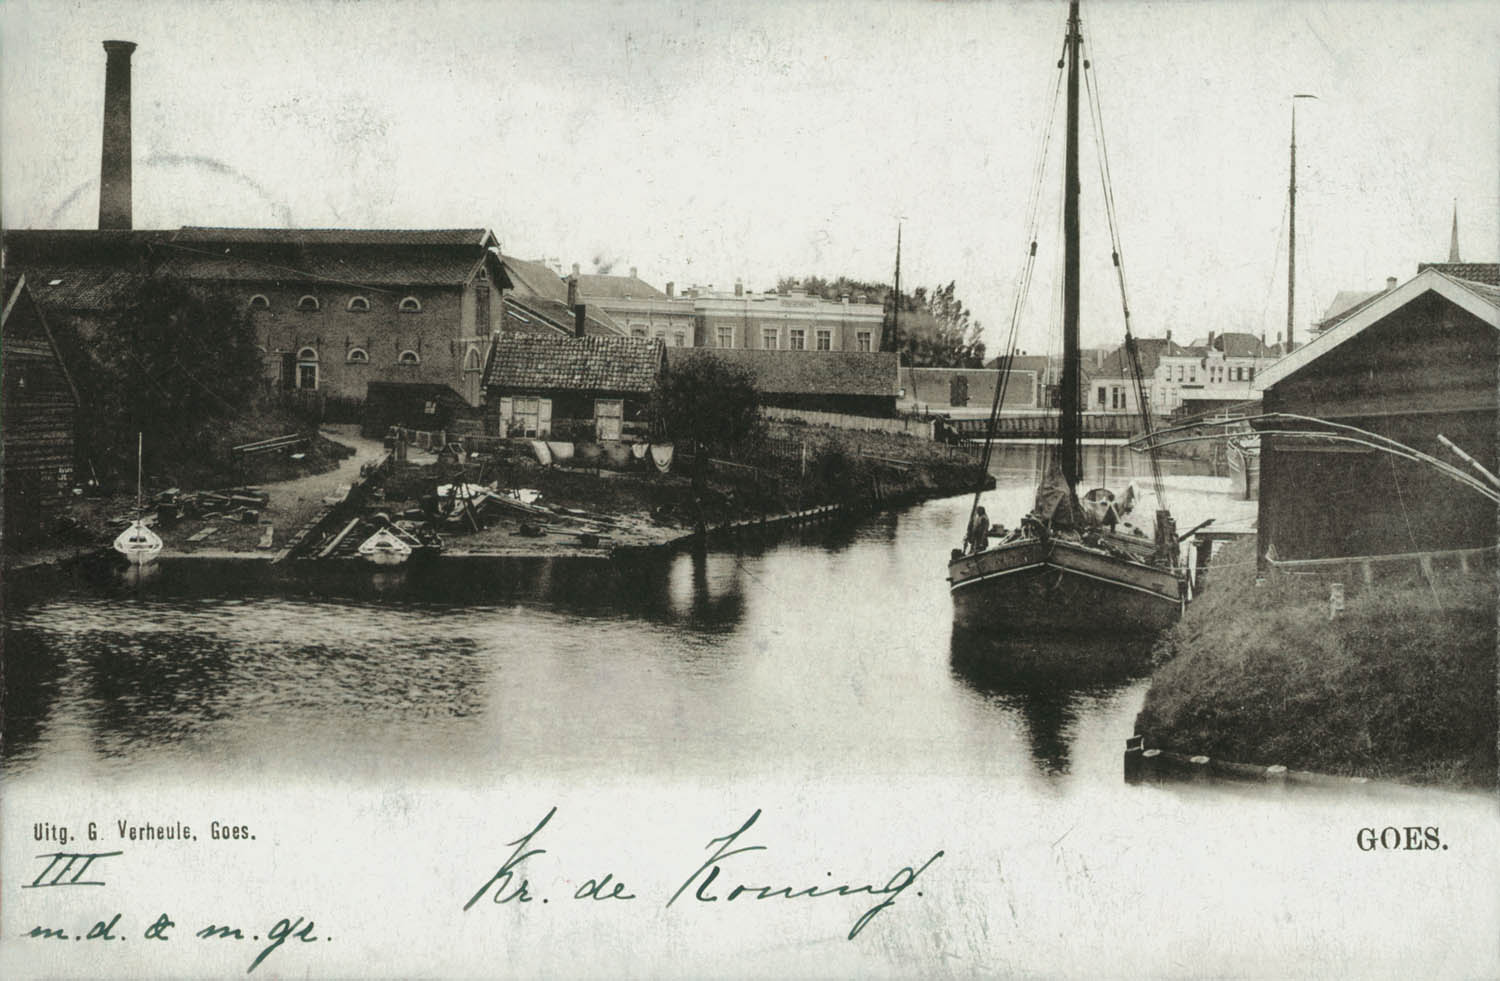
(796, 339)
(403, 359)
(721, 334)
(260, 302)
(770, 338)
(865, 340)
(823, 339)
(357, 355)
(307, 357)
(409, 304)
(472, 360)
(358, 304)
(309, 304)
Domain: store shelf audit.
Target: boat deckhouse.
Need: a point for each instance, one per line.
(1414, 363)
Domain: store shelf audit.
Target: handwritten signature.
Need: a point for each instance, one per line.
(509, 885)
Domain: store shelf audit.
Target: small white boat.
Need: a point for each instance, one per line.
(385, 547)
(138, 543)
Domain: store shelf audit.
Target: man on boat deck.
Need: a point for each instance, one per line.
(979, 531)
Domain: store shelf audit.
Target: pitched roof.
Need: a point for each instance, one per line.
(475, 237)
(83, 287)
(592, 364)
(349, 265)
(616, 287)
(1474, 272)
(535, 279)
(534, 314)
(1236, 344)
(82, 270)
(1480, 299)
(810, 372)
(1345, 302)
(1150, 351)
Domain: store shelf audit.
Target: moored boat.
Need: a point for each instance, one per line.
(138, 543)
(1072, 565)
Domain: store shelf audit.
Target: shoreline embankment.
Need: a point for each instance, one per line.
(598, 514)
(1265, 674)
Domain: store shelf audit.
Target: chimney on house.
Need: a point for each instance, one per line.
(632, 273)
(575, 269)
(1210, 340)
(580, 320)
(1390, 283)
(573, 289)
(1169, 338)
(739, 287)
(669, 290)
(114, 160)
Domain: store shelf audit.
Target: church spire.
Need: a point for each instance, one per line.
(1453, 244)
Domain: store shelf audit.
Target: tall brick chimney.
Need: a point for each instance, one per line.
(114, 161)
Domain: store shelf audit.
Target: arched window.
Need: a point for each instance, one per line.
(357, 355)
(307, 368)
(471, 360)
(411, 304)
(359, 304)
(409, 357)
(307, 303)
(260, 302)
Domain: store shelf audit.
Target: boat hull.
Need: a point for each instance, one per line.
(1056, 587)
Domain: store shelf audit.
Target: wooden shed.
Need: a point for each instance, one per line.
(1415, 363)
(590, 387)
(39, 419)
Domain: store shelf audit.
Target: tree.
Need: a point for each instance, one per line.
(934, 329)
(708, 404)
(174, 367)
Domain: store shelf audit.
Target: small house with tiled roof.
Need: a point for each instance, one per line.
(335, 309)
(40, 418)
(571, 387)
(863, 383)
(1417, 363)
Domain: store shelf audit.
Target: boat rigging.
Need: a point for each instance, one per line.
(1073, 564)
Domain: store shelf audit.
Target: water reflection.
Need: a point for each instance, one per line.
(828, 648)
(1048, 683)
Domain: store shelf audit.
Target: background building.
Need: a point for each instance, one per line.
(335, 309)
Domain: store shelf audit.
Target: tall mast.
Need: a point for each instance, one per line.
(896, 309)
(1072, 463)
(1291, 224)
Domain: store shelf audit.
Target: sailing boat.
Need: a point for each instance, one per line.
(1073, 565)
(138, 543)
(1243, 451)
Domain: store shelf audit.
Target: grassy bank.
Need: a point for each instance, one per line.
(1400, 687)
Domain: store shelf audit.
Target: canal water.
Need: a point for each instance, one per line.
(816, 677)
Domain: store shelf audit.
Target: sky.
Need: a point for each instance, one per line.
(706, 142)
